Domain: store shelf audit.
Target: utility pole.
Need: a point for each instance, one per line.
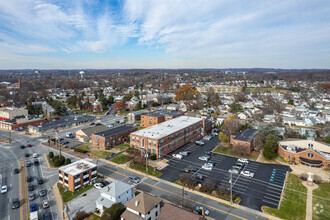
(182, 197)
(146, 155)
(10, 136)
(231, 188)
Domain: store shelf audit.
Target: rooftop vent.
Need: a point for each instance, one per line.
(82, 166)
(136, 203)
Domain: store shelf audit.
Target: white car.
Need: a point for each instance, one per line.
(204, 158)
(207, 166)
(178, 156)
(200, 142)
(233, 171)
(3, 189)
(247, 173)
(35, 155)
(207, 137)
(199, 208)
(214, 134)
(243, 160)
(98, 185)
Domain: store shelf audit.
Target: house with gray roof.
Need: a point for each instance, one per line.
(114, 193)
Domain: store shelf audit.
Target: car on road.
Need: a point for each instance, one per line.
(42, 192)
(207, 166)
(29, 145)
(47, 216)
(45, 204)
(15, 204)
(36, 162)
(33, 207)
(134, 179)
(35, 155)
(201, 208)
(30, 187)
(29, 178)
(22, 146)
(177, 156)
(98, 185)
(207, 137)
(40, 181)
(4, 189)
(31, 196)
(16, 171)
(69, 135)
(243, 160)
(185, 153)
(233, 171)
(200, 142)
(28, 163)
(247, 173)
(204, 158)
(27, 154)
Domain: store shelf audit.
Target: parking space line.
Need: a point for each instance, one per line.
(270, 202)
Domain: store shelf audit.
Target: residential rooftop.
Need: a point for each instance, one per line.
(161, 113)
(116, 188)
(115, 130)
(168, 127)
(247, 135)
(77, 167)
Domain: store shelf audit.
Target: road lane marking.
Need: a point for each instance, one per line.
(179, 195)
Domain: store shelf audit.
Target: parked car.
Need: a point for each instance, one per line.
(45, 204)
(29, 178)
(200, 143)
(4, 189)
(36, 162)
(69, 135)
(98, 185)
(134, 179)
(204, 158)
(207, 166)
(40, 181)
(28, 163)
(30, 187)
(22, 146)
(27, 154)
(207, 137)
(243, 160)
(178, 156)
(47, 216)
(209, 153)
(200, 208)
(16, 171)
(214, 134)
(192, 168)
(42, 192)
(185, 153)
(104, 182)
(15, 203)
(185, 170)
(33, 207)
(247, 173)
(233, 171)
(238, 166)
(29, 145)
(35, 155)
(31, 196)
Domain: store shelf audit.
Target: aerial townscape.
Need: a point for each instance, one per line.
(164, 110)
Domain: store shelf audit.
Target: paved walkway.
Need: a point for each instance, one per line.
(309, 202)
(24, 210)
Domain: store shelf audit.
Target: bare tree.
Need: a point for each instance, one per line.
(208, 186)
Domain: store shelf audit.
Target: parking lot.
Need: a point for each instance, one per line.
(264, 188)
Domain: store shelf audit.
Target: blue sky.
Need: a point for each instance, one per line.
(82, 34)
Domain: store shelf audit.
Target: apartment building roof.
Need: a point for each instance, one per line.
(113, 131)
(161, 113)
(247, 135)
(77, 167)
(91, 130)
(166, 128)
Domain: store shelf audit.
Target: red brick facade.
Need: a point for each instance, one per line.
(308, 154)
(70, 181)
(101, 142)
(147, 120)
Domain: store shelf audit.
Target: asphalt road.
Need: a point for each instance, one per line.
(254, 192)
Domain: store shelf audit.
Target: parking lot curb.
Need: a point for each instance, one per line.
(193, 191)
(47, 162)
(24, 209)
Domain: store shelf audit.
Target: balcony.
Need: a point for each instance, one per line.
(77, 180)
(60, 175)
(77, 187)
(85, 176)
(66, 178)
(85, 183)
(94, 172)
(65, 184)
(61, 182)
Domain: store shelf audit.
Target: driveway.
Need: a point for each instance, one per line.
(85, 202)
(264, 189)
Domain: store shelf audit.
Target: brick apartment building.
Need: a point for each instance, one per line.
(77, 175)
(311, 153)
(243, 142)
(112, 137)
(157, 117)
(164, 138)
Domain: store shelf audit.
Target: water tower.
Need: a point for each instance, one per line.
(82, 73)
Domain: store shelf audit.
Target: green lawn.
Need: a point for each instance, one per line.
(140, 127)
(293, 205)
(253, 89)
(93, 216)
(101, 154)
(142, 168)
(82, 148)
(68, 195)
(228, 151)
(321, 201)
(81, 111)
(122, 146)
(120, 159)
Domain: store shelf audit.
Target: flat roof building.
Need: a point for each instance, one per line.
(77, 175)
(163, 138)
(243, 142)
(11, 112)
(156, 117)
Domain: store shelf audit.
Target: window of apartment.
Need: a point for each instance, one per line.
(177, 134)
(133, 139)
(154, 143)
(150, 118)
(149, 142)
(137, 139)
(161, 141)
(172, 137)
(108, 143)
(153, 151)
(310, 155)
(150, 122)
(132, 145)
(156, 213)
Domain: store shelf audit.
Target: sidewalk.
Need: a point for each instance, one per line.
(309, 202)
(23, 194)
(59, 202)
